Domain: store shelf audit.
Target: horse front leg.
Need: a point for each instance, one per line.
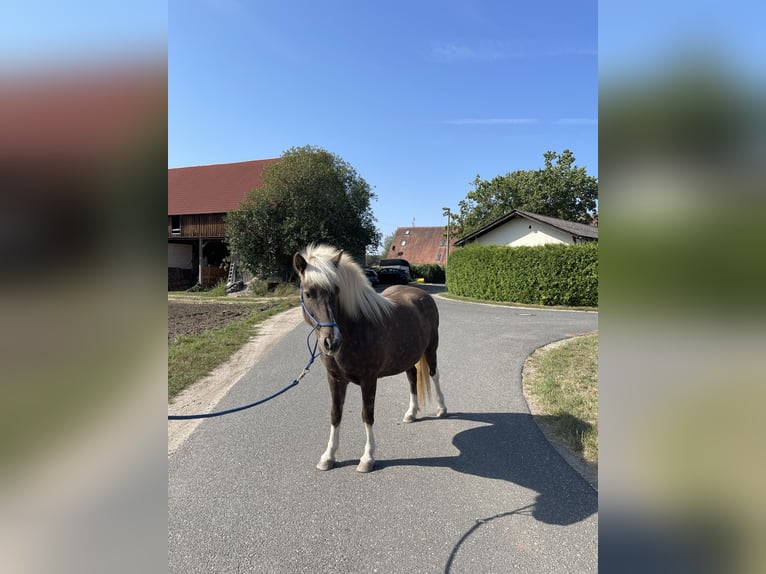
(338, 396)
(368, 417)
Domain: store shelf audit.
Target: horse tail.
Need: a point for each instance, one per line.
(424, 382)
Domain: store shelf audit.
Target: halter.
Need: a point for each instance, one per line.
(317, 324)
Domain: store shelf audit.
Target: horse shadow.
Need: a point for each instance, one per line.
(510, 447)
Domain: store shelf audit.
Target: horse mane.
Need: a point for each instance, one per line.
(356, 297)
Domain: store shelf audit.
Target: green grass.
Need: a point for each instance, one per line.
(563, 384)
(192, 357)
(258, 291)
(218, 291)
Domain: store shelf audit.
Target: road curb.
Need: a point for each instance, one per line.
(588, 471)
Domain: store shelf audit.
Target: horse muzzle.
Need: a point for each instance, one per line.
(330, 340)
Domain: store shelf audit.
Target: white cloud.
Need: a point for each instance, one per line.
(492, 51)
(452, 51)
(576, 122)
(490, 121)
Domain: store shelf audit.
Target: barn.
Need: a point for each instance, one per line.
(199, 197)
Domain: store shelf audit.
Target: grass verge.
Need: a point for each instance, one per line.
(561, 383)
(191, 357)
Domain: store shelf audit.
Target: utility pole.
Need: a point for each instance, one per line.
(447, 213)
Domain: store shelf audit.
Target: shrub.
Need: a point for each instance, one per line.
(430, 272)
(543, 275)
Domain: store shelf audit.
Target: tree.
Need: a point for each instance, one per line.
(310, 195)
(560, 189)
(387, 241)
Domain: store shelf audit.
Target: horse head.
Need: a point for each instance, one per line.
(319, 300)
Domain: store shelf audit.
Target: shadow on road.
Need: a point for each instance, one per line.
(510, 447)
(479, 523)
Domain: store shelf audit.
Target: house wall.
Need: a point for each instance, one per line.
(520, 231)
(185, 267)
(206, 225)
(180, 255)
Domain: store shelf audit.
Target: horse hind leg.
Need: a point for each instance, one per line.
(412, 410)
(412, 377)
(441, 408)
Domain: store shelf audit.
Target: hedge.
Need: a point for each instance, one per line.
(430, 272)
(542, 275)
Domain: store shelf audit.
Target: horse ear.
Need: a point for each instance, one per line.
(336, 259)
(299, 263)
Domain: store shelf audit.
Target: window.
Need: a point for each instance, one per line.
(439, 256)
(404, 242)
(175, 224)
(406, 231)
(442, 242)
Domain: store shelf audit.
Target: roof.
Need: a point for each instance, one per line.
(218, 188)
(73, 118)
(422, 245)
(571, 227)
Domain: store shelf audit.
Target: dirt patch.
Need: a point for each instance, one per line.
(193, 318)
(203, 396)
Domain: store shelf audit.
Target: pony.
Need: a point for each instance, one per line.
(363, 335)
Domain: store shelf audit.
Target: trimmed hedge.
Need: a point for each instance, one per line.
(543, 275)
(430, 272)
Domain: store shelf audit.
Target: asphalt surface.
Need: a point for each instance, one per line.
(478, 491)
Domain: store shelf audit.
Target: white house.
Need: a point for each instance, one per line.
(519, 228)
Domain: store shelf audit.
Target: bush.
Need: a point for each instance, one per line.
(430, 272)
(543, 275)
(262, 288)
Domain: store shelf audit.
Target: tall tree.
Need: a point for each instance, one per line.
(387, 241)
(310, 195)
(559, 189)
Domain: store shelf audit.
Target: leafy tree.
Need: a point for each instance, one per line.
(387, 241)
(560, 189)
(310, 195)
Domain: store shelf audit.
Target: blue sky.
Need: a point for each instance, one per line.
(638, 38)
(419, 97)
(51, 35)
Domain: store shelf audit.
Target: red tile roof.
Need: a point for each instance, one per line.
(422, 245)
(216, 188)
(75, 117)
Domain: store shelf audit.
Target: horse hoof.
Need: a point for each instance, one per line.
(365, 465)
(441, 413)
(408, 418)
(325, 464)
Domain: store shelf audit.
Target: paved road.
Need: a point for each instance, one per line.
(479, 491)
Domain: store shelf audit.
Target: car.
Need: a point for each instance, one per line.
(394, 271)
(372, 276)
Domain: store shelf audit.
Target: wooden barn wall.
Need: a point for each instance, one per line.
(203, 225)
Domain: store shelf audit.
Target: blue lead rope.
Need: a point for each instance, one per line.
(312, 358)
(221, 413)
